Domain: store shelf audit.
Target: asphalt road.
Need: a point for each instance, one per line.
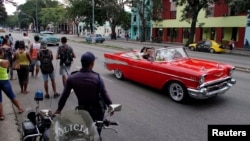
(147, 114)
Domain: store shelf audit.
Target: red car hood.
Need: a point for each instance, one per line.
(213, 70)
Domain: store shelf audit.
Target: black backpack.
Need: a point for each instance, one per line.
(66, 55)
(7, 53)
(46, 61)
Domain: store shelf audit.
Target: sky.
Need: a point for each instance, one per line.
(11, 9)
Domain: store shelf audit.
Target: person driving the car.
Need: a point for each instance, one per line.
(148, 55)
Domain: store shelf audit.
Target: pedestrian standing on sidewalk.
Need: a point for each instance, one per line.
(35, 63)
(8, 54)
(231, 44)
(47, 69)
(5, 86)
(24, 60)
(246, 44)
(10, 40)
(65, 54)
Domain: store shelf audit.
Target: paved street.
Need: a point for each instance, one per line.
(7, 126)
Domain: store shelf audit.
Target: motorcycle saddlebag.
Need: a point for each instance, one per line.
(28, 128)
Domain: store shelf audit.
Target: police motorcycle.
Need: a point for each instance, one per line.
(70, 125)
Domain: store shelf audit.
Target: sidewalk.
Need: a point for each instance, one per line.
(8, 127)
(236, 51)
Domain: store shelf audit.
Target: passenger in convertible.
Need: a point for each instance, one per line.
(149, 55)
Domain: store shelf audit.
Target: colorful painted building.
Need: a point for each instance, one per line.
(136, 22)
(221, 24)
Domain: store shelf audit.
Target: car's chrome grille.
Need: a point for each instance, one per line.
(216, 86)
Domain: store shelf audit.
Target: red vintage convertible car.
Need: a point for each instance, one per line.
(173, 71)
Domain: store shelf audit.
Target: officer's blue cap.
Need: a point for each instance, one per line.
(88, 57)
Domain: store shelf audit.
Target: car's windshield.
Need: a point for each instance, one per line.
(49, 34)
(169, 54)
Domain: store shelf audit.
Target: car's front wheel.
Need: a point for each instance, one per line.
(212, 50)
(177, 92)
(118, 74)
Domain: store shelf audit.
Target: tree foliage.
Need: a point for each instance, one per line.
(81, 11)
(51, 15)
(147, 10)
(28, 10)
(104, 10)
(191, 10)
(115, 13)
(3, 13)
(12, 21)
(125, 20)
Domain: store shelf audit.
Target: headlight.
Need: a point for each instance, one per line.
(202, 79)
(231, 71)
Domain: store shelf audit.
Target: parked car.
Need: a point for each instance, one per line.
(49, 37)
(2, 30)
(98, 38)
(207, 46)
(174, 72)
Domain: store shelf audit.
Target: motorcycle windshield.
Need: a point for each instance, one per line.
(73, 125)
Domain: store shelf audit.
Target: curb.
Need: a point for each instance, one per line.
(243, 69)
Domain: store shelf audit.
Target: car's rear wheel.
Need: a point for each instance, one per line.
(177, 92)
(118, 74)
(212, 50)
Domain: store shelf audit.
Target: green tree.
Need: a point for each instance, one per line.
(8, 1)
(81, 11)
(193, 7)
(239, 6)
(30, 9)
(115, 13)
(125, 20)
(78, 11)
(12, 21)
(148, 10)
(51, 16)
(3, 13)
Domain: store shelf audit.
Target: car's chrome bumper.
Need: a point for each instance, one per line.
(210, 91)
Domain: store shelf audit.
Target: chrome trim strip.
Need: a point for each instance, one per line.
(215, 81)
(154, 71)
(204, 93)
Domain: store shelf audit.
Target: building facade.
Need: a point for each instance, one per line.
(104, 30)
(145, 7)
(221, 24)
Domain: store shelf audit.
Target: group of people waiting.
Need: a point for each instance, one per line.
(30, 57)
(87, 85)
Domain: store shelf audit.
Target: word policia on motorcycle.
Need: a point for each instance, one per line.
(72, 127)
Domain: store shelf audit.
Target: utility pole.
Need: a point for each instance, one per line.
(93, 15)
(142, 18)
(36, 19)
